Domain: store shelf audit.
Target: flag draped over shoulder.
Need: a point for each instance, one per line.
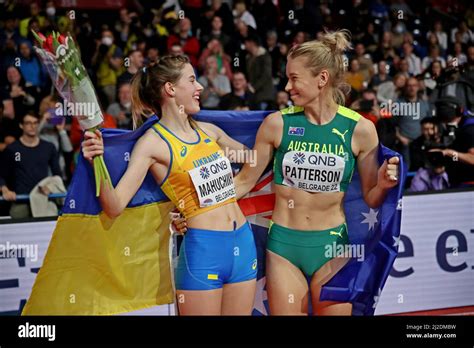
(95, 265)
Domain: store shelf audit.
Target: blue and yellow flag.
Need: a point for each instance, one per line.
(95, 265)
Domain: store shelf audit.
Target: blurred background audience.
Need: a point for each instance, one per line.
(409, 61)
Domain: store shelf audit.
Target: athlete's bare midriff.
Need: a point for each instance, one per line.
(220, 219)
(301, 210)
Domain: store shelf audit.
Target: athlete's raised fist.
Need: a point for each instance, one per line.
(388, 173)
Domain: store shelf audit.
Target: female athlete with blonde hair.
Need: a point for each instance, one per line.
(316, 145)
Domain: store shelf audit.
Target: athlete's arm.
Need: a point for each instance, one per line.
(114, 200)
(268, 138)
(375, 181)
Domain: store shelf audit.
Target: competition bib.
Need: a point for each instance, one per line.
(213, 182)
(313, 172)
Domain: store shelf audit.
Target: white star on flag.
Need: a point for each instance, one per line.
(77, 71)
(260, 296)
(370, 218)
(396, 241)
(377, 298)
(399, 204)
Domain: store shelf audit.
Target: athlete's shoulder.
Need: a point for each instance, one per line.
(271, 129)
(349, 113)
(151, 141)
(365, 125)
(210, 129)
(273, 121)
(365, 132)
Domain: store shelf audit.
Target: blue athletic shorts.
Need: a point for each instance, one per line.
(208, 259)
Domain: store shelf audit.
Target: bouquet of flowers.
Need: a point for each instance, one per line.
(62, 60)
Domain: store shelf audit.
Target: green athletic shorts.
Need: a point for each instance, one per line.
(307, 250)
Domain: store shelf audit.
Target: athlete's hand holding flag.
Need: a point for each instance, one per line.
(388, 173)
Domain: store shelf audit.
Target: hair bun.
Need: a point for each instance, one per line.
(337, 41)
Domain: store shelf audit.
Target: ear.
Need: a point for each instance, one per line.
(323, 78)
(169, 89)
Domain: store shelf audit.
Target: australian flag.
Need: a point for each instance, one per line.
(359, 282)
(296, 131)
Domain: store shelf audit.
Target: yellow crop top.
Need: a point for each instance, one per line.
(199, 176)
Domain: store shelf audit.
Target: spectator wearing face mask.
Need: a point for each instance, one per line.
(50, 11)
(54, 20)
(107, 61)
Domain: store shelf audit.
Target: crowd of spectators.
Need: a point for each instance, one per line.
(404, 53)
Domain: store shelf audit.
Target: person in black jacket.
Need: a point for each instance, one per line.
(430, 138)
(459, 140)
(22, 95)
(25, 163)
(259, 72)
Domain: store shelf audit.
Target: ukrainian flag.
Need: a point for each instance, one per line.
(100, 266)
